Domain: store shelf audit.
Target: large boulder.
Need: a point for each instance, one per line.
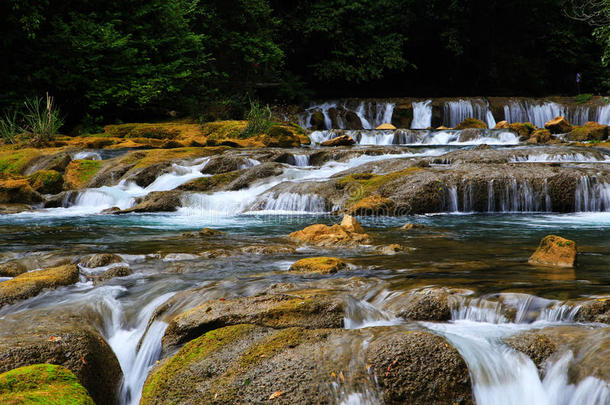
(317, 121)
(352, 120)
(427, 304)
(540, 136)
(310, 309)
(342, 140)
(18, 191)
(372, 205)
(402, 116)
(523, 129)
(253, 364)
(502, 125)
(554, 251)
(324, 265)
(346, 234)
(29, 284)
(419, 368)
(157, 201)
(64, 339)
(591, 131)
(42, 384)
(558, 125)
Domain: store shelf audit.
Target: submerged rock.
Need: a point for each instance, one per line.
(324, 265)
(349, 233)
(42, 384)
(309, 309)
(554, 251)
(32, 283)
(391, 249)
(558, 125)
(100, 260)
(118, 271)
(410, 226)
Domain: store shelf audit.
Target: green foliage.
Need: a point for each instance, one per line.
(41, 120)
(583, 98)
(9, 127)
(259, 120)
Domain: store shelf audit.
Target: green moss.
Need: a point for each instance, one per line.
(224, 129)
(364, 184)
(42, 384)
(471, 123)
(212, 182)
(274, 344)
(46, 181)
(80, 172)
(13, 162)
(161, 380)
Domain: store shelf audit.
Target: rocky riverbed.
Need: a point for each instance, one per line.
(216, 270)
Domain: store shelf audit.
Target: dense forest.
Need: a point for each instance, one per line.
(108, 60)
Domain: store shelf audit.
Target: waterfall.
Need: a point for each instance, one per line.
(457, 111)
(560, 158)
(301, 160)
(87, 155)
(422, 115)
(371, 113)
(362, 314)
(592, 195)
(603, 114)
(540, 113)
(295, 203)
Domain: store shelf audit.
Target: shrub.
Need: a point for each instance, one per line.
(583, 98)
(259, 120)
(41, 120)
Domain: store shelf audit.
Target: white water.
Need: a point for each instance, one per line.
(301, 160)
(87, 155)
(504, 376)
(457, 111)
(592, 194)
(370, 113)
(420, 137)
(603, 114)
(540, 113)
(560, 157)
(422, 115)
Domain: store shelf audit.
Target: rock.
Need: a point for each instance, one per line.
(536, 346)
(253, 364)
(216, 182)
(210, 232)
(419, 368)
(410, 226)
(12, 269)
(524, 130)
(391, 249)
(386, 126)
(317, 121)
(403, 116)
(591, 131)
(352, 120)
(554, 251)
(111, 210)
(372, 205)
(268, 250)
(118, 271)
(65, 339)
(558, 125)
(427, 304)
(47, 181)
(145, 176)
(14, 208)
(157, 201)
(255, 173)
(351, 224)
(282, 137)
(324, 265)
(594, 310)
(502, 125)
(29, 284)
(442, 128)
(18, 191)
(482, 146)
(80, 172)
(342, 140)
(309, 309)
(100, 260)
(330, 236)
(225, 163)
(42, 384)
(540, 136)
(471, 123)
(55, 162)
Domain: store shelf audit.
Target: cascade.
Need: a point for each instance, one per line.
(603, 114)
(371, 113)
(592, 195)
(422, 115)
(293, 202)
(457, 111)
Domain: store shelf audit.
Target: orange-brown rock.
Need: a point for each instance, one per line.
(540, 136)
(18, 191)
(471, 123)
(554, 251)
(386, 126)
(372, 205)
(324, 265)
(349, 233)
(502, 125)
(32, 283)
(343, 140)
(558, 125)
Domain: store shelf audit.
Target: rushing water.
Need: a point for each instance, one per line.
(483, 255)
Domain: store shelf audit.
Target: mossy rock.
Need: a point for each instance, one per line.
(14, 161)
(219, 130)
(317, 121)
(523, 129)
(18, 191)
(589, 132)
(540, 136)
(47, 181)
(29, 284)
(12, 269)
(136, 130)
(281, 136)
(372, 205)
(554, 251)
(43, 384)
(362, 185)
(324, 265)
(471, 123)
(211, 183)
(80, 172)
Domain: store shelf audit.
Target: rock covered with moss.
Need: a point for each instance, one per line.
(29, 284)
(331, 236)
(42, 384)
(471, 123)
(554, 251)
(18, 191)
(323, 265)
(558, 125)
